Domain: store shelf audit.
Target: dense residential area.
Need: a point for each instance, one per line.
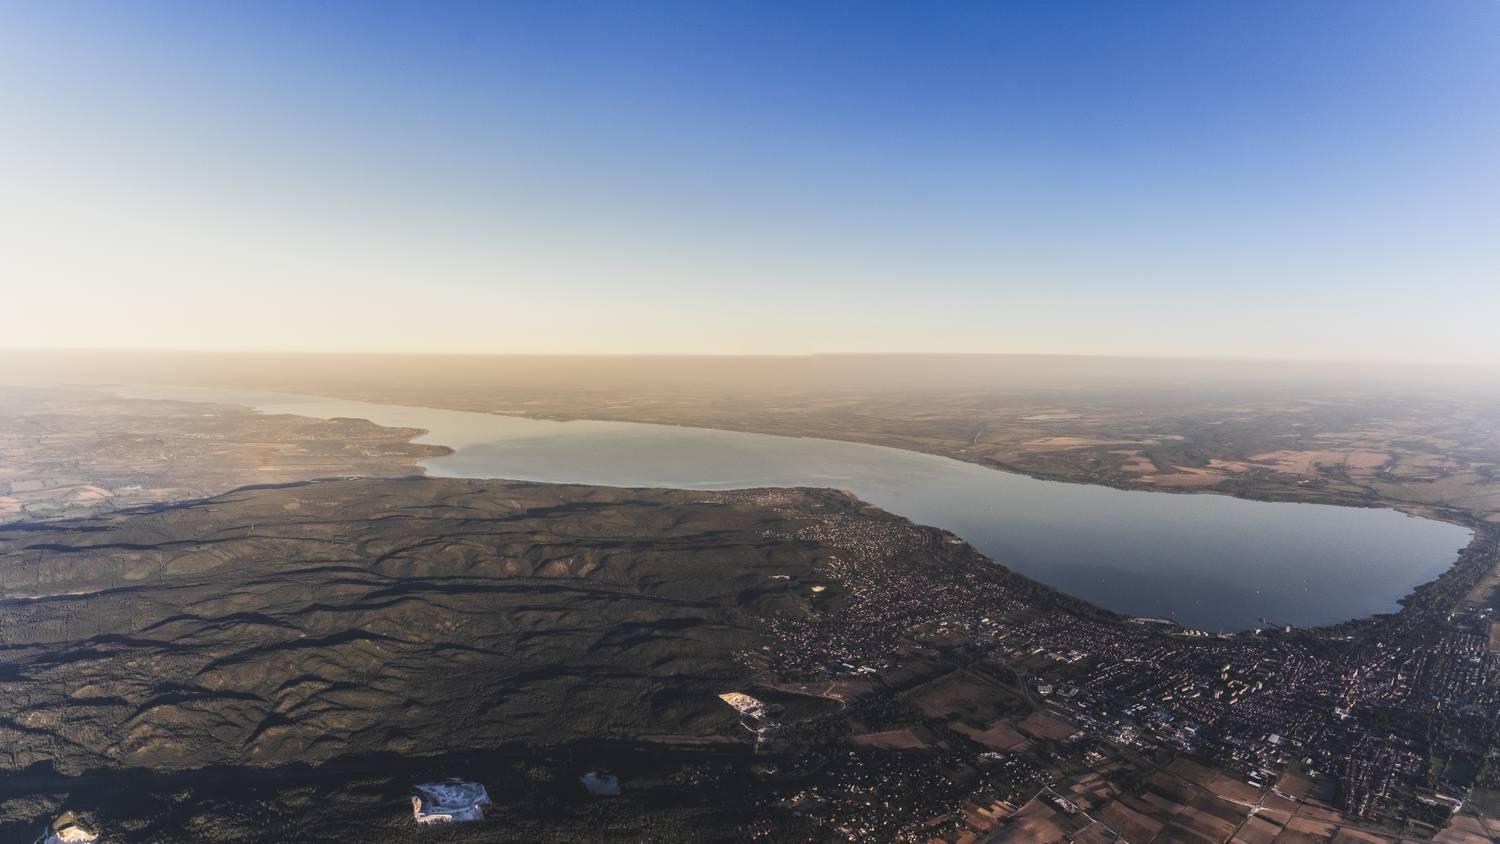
(1384, 727)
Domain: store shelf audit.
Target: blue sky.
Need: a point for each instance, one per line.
(1173, 178)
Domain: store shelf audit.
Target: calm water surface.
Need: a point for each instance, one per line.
(1207, 561)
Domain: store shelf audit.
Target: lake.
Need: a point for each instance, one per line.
(1207, 561)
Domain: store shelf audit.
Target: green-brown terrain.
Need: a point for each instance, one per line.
(282, 663)
(75, 452)
(316, 647)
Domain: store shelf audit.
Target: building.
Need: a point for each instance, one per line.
(745, 705)
(448, 802)
(68, 829)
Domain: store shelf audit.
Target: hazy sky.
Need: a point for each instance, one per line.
(1317, 179)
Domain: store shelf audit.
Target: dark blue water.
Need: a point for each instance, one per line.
(1207, 561)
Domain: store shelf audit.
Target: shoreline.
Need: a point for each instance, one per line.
(1479, 528)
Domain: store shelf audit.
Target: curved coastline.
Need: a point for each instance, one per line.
(466, 451)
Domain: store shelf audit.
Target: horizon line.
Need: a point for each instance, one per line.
(1481, 365)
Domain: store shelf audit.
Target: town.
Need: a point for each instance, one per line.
(981, 703)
